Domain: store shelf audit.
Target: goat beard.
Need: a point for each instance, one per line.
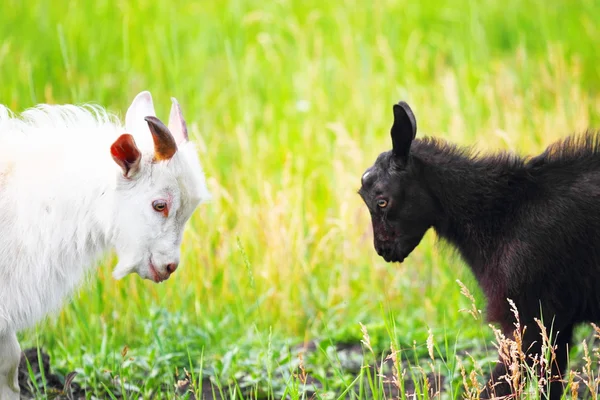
(124, 267)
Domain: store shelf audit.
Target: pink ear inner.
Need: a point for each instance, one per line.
(126, 154)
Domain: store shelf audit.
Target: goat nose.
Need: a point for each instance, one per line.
(172, 267)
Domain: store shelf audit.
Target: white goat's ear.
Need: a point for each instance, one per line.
(177, 124)
(141, 107)
(126, 154)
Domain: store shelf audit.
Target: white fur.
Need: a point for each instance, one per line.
(64, 202)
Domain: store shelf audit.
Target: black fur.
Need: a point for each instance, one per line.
(529, 228)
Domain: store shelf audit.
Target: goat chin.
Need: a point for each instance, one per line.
(124, 268)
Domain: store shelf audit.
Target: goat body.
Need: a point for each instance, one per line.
(528, 227)
(74, 184)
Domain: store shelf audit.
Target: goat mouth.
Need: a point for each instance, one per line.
(156, 277)
(391, 255)
(393, 258)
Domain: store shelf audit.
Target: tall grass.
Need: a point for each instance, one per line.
(290, 101)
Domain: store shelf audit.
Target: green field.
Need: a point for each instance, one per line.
(290, 102)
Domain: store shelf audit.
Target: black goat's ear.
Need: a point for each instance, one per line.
(403, 131)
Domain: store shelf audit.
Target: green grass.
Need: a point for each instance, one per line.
(290, 102)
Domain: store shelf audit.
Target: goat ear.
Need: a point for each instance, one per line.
(164, 143)
(403, 130)
(141, 106)
(177, 124)
(126, 154)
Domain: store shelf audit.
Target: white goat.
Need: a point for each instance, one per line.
(74, 184)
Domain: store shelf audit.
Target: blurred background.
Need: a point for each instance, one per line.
(289, 102)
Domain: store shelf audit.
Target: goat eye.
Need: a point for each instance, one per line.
(159, 205)
(382, 203)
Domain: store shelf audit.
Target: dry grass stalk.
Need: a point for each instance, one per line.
(474, 311)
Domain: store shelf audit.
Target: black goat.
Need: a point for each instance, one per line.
(529, 228)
